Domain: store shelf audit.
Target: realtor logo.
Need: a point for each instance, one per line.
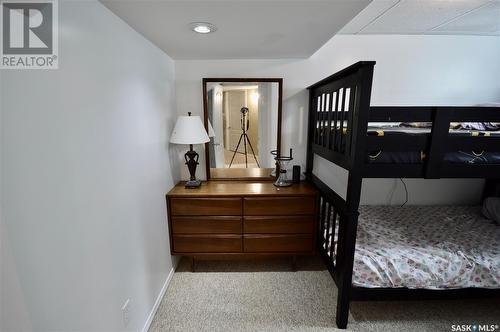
(29, 34)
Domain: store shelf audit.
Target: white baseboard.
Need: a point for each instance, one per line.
(158, 301)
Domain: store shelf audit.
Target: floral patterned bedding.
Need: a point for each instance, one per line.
(432, 247)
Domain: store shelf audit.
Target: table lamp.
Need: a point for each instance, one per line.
(189, 130)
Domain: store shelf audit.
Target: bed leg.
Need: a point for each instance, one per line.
(342, 315)
(346, 248)
(344, 293)
(347, 260)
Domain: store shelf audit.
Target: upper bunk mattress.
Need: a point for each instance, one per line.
(431, 247)
(415, 157)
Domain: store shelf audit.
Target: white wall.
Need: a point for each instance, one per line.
(410, 70)
(85, 167)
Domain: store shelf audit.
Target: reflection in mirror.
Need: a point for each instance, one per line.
(243, 126)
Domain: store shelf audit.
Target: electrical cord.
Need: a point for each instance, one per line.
(406, 192)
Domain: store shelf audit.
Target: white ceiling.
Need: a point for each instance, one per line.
(442, 17)
(247, 29)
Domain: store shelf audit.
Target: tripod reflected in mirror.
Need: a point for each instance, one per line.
(245, 125)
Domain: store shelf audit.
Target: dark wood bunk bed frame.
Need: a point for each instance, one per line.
(348, 146)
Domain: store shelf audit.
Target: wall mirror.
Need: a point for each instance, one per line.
(243, 119)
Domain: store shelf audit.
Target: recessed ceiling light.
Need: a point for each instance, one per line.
(203, 27)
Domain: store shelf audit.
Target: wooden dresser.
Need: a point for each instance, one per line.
(243, 218)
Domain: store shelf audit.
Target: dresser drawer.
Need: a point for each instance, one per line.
(206, 225)
(278, 243)
(279, 224)
(207, 243)
(278, 206)
(205, 206)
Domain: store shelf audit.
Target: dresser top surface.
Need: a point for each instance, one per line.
(242, 188)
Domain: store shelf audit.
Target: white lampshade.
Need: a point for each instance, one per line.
(211, 132)
(189, 130)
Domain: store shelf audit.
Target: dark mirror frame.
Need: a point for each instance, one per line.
(205, 122)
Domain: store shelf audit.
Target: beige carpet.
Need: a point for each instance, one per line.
(267, 296)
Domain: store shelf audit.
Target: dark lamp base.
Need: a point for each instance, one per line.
(192, 184)
(191, 158)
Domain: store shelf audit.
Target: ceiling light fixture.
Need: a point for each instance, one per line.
(203, 27)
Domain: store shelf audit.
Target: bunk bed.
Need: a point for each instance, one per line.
(387, 256)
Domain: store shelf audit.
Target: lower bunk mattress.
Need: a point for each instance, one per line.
(427, 247)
